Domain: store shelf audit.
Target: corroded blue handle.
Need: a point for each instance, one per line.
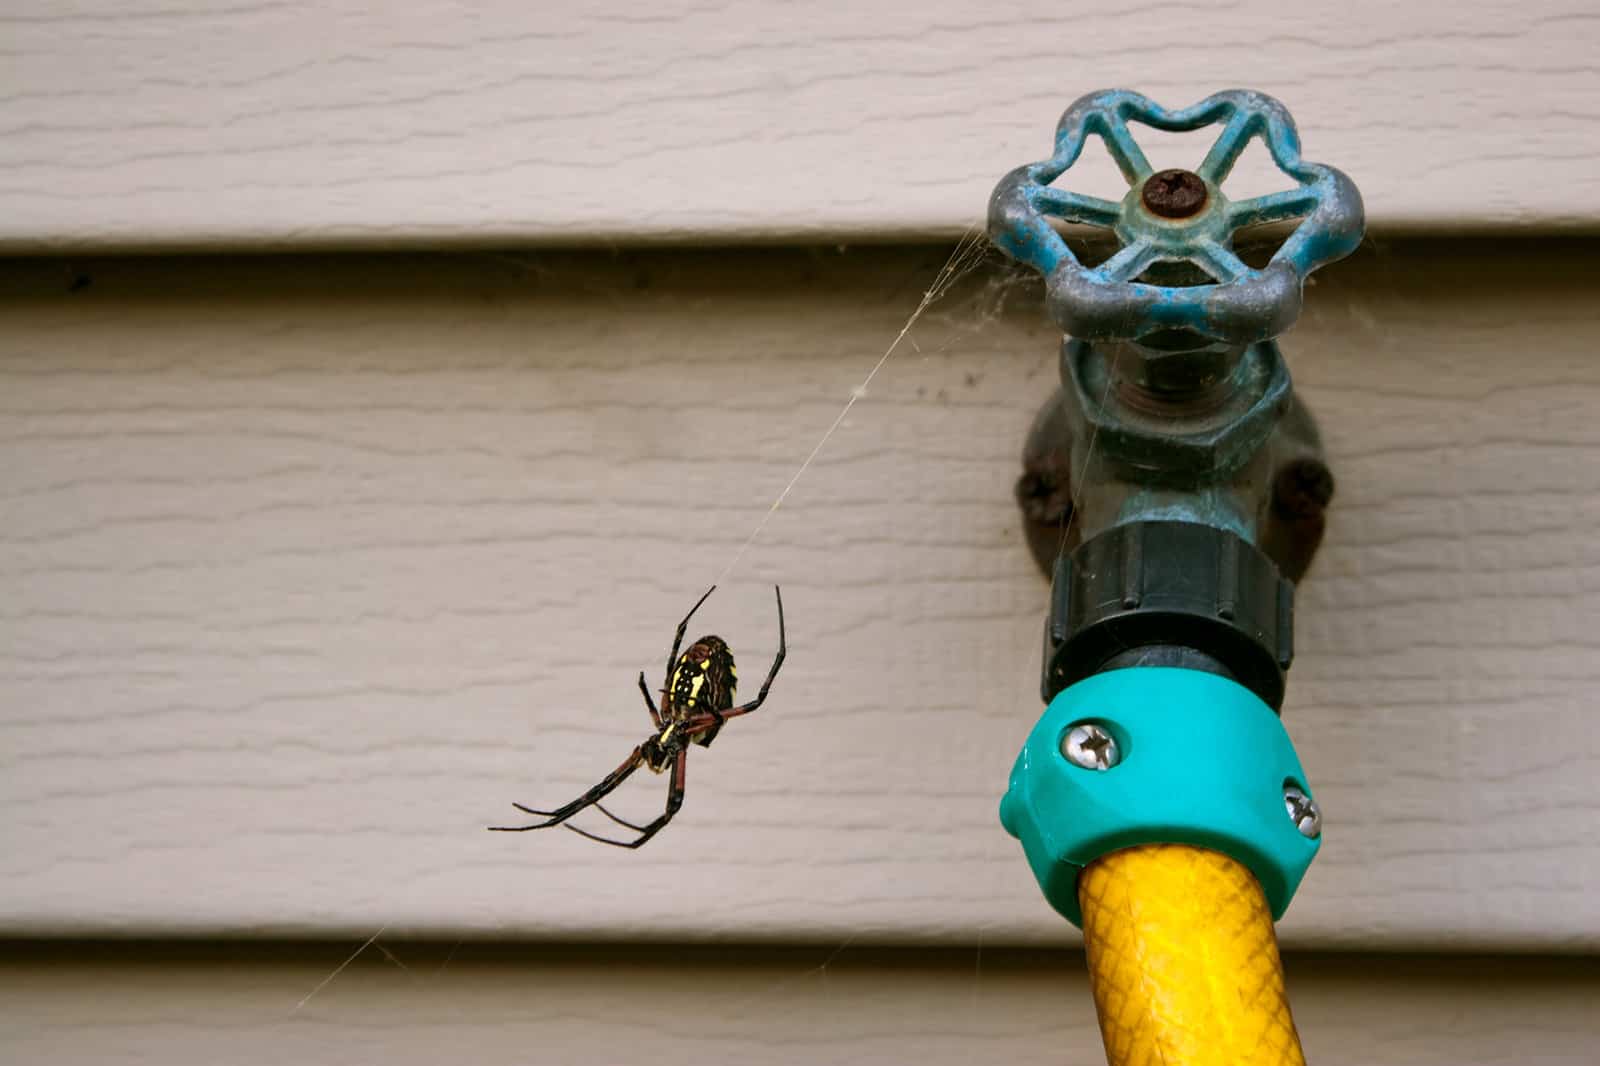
(1193, 224)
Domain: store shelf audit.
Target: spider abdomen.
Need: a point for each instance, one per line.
(704, 679)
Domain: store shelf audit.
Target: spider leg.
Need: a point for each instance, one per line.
(601, 807)
(704, 728)
(606, 786)
(655, 715)
(777, 662)
(677, 641)
(674, 802)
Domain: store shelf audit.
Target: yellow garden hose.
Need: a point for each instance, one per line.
(1183, 961)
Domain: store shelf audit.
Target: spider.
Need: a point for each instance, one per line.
(695, 703)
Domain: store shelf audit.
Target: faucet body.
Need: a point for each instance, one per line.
(1174, 497)
(1174, 488)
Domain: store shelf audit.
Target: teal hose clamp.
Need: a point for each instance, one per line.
(1172, 756)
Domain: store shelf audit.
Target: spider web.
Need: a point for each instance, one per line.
(968, 253)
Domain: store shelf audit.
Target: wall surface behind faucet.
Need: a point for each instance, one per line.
(675, 1006)
(313, 566)
(143, 124)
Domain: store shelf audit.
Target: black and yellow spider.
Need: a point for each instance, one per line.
(697, 700)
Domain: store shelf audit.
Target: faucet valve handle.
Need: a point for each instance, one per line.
(1176, 216)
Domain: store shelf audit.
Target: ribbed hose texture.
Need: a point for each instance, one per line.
(1184, 962)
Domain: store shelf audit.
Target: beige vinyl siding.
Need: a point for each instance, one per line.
(147, 124)
(313, 566)
(670, 1006)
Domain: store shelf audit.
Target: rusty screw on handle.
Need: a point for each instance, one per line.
(1174, 193)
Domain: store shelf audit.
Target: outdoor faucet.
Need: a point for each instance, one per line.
(1174, 488)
